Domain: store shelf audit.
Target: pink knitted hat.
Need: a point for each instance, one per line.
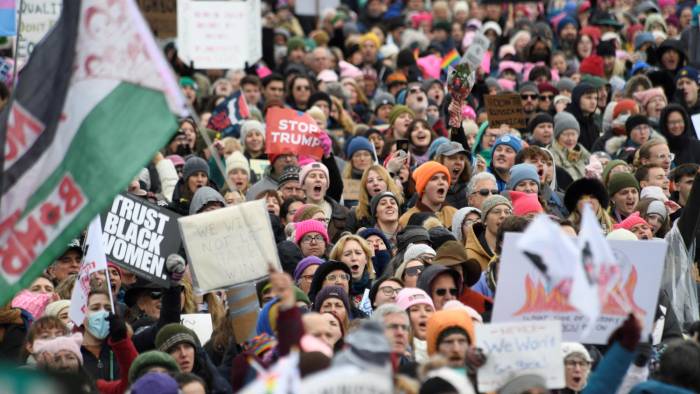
(34, 303)
(631, 221)
(646, 95)
(524, 203)
(315, 166)
(71, 343)
(309, 226)
(408, 297)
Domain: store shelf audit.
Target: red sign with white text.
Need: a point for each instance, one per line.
(290, 131)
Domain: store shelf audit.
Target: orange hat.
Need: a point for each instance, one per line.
(444, 319)
(625, 105)
(426, 171)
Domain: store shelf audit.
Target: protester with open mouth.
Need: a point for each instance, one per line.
(420, 136)
(482, 236)
(375, 180)
(354, 252)
(453, 156)
(195, 174)
(577, 363)
(503, 155)
(432, 181)
(623, 190)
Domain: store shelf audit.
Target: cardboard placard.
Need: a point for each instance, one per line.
(513, 349)
(200, 323)
(314, 7)
(229, 246)
(139, 236)
(351, 189)
(38, 16)
(161, 16)
(219, 34)
(505, 109)
(526, 298)
(290, 131)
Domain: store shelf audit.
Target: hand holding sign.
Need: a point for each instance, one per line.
(293, 132)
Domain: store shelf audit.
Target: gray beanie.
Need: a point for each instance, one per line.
(565, 83)
(375, 201)
(193, 165)
(491, 203)
(521, 172)
(203, 196)
(250, 125)
(565, 121)
(528, 87)
(523, 383)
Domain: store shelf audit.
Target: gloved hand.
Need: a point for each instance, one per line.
(475, 357)
(643, 355)
(117, 327)
(326, 143)
(627, 334)
(175, 264)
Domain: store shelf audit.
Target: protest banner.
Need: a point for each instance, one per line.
(38, 16)
(93, 261)
(290, 131)
(229, 246)
(347, 379)
(139, 236)
(161, 16)
(219, 34)
(258, 166)
(200, 323)
(505, 109)
(514, 349)
(530, 298)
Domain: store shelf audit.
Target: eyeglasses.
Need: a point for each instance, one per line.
(414, 90)
(389, 291)
(312, 238)
(334, 277)
(486, 192)
(663, 156)
(528, 96)
(414, 271)
(443, 292)
(574, 363)
(546, 97)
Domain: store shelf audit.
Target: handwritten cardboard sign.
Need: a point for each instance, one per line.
(38, 16)
(139, 236)
(229, 246)
(525, 296)
(505, 109)
(514, 349)
(290, 131)
(351, 189)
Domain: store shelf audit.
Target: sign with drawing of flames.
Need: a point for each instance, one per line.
(538, 300)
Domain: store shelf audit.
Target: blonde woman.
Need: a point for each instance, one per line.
(375, 180)
(589, 191)
(353, 251)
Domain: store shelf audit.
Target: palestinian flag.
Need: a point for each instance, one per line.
(94, 103)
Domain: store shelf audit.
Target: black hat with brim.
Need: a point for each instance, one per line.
(585, 187)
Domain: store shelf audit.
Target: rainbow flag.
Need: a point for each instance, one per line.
(450, 59)
(8, 27)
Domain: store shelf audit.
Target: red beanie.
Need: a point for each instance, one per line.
(593, 32)
(426, 171)
(625, 105)
(592, 65)
(524, 203)
(631, 221)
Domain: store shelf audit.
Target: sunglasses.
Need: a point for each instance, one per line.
(443, 292)
(302, 88)
(546, 97)
(414, 271)
(528, 96)
(486, 192)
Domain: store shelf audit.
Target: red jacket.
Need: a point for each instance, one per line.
(126, 353)
(476, 300)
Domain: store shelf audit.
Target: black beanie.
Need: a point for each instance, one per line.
(634, 121)
(538, 119)
(320, 96)
(605, 48)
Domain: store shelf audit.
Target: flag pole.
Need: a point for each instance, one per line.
(19, 28)
(109, 290)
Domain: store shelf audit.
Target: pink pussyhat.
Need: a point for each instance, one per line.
(525, 203)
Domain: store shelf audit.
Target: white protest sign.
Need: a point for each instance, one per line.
(230, 245)
(696, 124)
(93, 261)
(38, 16)
(475, 52)
(314, 7)
(219, 34)
(528, 298)
(200, 323)
(514, 349)
(347, 379)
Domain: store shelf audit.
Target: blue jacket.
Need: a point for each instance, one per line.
(610, 372)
